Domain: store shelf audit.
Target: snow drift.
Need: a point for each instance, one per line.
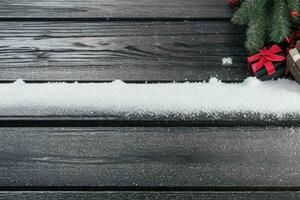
(251, 96)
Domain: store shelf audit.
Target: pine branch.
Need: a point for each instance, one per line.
(293, 5)
(257, 31)
(256, 36)
(269, 21)
(280, 22)
(241, 16)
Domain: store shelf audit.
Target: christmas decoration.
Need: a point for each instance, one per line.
(293, 62)
(269, 21)
(290, 42)
(275, 24)
(233, 3)
(294, 13)
(268, 63)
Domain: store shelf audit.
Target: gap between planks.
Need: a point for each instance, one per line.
(149, 189)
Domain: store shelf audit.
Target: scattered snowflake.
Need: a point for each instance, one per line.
(227, 61)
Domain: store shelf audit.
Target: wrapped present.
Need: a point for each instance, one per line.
(293, 62)
(269, 63)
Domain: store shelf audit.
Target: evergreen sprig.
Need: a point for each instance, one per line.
(269, 21)
(280, 22)
(293, 5)
(256, 33)
(241, 16)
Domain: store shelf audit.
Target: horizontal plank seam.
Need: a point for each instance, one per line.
(101, 19)
(90, 122)
(153, 188)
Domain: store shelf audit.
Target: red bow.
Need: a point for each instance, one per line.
(265, 58)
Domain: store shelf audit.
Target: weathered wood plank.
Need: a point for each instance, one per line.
(114, 9)
(150, 195)
(121, 50)
(106, 156)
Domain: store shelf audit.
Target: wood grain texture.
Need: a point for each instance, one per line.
(153, 51)
(149, 195)
(114, 9)
(106, 156)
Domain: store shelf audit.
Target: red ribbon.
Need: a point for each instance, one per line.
(265, 58)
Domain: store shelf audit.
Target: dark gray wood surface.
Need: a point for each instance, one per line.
(114, 9)
(135, 40)
(134, 51)
(150, 195)
(202, 157)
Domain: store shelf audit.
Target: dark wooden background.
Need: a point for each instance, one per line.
(112, 157)
(134, 40)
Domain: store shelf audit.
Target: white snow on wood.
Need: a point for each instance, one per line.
(271, 97)
(227, 61)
